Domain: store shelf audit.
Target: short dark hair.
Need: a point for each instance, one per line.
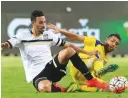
(116, 35)
(35, 14)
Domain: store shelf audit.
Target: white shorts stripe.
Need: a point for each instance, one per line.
(54, 63)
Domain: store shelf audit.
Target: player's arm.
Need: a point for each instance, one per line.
(80, 50)
(70, 35)
(6, 45)
(12, 42)
(60, 42)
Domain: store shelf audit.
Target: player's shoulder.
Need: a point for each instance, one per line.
(98, 42)
(27, 34)
(89, 38)
(23, 34)
(50, 33)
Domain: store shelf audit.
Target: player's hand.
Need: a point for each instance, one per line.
(51, 26)
(93, 52)
(4, 45)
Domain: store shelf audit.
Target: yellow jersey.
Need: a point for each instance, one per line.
(94, 63)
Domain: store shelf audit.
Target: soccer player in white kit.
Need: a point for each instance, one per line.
(39, 65)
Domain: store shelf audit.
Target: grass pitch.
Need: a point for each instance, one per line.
(14, 85)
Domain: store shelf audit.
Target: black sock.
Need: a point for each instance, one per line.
(55, 89)
(81, 66)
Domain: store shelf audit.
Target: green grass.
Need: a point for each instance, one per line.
(14, 84)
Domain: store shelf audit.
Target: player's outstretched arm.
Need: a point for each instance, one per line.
(70, 35)
(80, 50)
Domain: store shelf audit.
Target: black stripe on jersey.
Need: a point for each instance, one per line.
(98, 43)
(62, 43)
(9, 44)
(58, 41)
(36, 40)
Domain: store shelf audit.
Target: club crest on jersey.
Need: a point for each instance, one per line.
(45, 36)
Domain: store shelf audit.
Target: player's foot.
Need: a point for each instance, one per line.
(62, 88)
(73, 87)
(107, 69)
(95, 83)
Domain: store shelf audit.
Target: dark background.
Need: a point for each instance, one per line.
(98, 13)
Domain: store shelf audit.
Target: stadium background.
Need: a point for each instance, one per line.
(98, 19)
(92, 18)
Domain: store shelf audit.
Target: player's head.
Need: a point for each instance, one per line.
(112, 42)
(38, 20)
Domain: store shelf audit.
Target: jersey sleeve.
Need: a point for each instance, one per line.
(57, 41)
(89, 40)
(15, 41)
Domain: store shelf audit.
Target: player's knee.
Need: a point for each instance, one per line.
(70, 50)
(65, 54)
(44, 86)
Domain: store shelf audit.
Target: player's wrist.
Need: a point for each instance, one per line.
(4, 45)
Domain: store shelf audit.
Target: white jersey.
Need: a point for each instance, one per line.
(35, 51)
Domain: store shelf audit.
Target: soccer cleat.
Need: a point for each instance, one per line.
(73, 87)
(107, 69)
(95, 83)
(62, 88)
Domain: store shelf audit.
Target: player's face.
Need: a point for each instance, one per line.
(111, 43)
(40, 23)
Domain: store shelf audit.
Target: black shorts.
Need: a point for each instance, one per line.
(53, 71)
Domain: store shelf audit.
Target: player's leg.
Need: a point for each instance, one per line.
(70, 53)
(46, 86)
(44, 81)
(42, 84)
(79, 82)
(76, 75)
(73, 87)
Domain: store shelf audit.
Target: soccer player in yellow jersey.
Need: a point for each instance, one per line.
(96, 62)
